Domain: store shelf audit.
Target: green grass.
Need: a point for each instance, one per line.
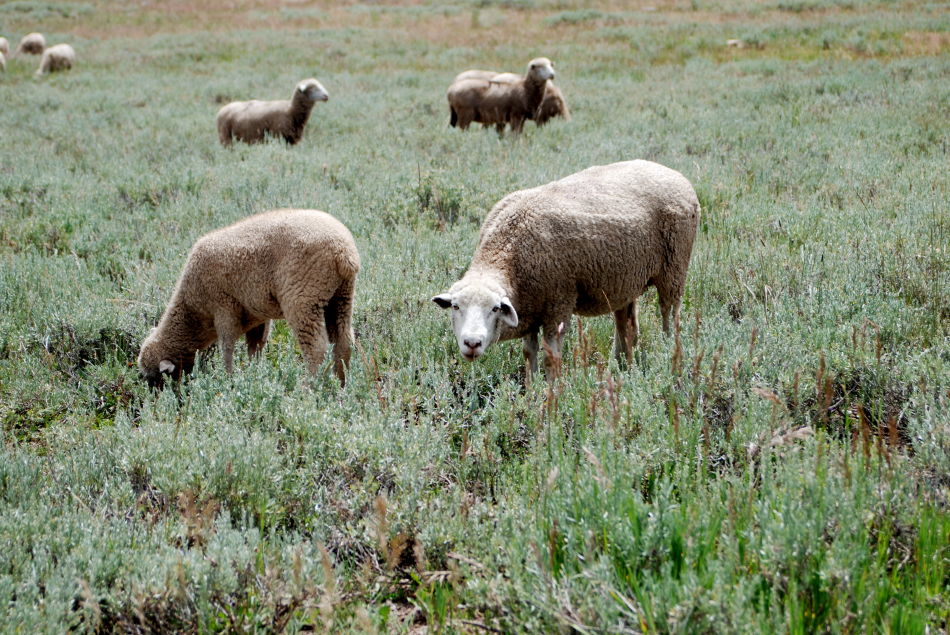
(679, 495)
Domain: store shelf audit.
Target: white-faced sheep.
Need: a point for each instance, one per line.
(552, 105)
(251, 121)
(499, 102)
(588, 244)
(31, 44)
(298, 265)
(57, 58)
(4, 46)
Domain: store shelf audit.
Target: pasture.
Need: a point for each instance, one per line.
(783, 465)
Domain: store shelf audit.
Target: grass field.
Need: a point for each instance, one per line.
(782, 466)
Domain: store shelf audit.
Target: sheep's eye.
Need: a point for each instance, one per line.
(494, 309)
(455, 307)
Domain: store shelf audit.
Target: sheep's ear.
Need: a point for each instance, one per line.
(166, 367)
(508, 314)
(444, 300)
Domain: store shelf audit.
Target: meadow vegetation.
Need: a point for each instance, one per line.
(783, 465)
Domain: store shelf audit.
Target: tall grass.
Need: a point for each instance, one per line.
(781, 465)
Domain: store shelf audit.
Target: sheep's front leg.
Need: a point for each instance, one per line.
(517, 123)
(228, 328)
(530, 356)
(256, 338)
(553, 333)
(309, 326)
(625, 340)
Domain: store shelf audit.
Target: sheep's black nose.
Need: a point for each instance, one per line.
(472, 343)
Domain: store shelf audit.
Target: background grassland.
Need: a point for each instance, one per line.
(673, 496)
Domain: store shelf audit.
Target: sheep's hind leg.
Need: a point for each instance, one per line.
(309, 326)
(256, 338)
(339, 321)
(669, 296)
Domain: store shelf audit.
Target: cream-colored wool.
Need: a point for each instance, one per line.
(298, 265)
(4, 46)
(251, 121)
(57, 58)
(552, 105)
(3, 63)
(500, 102)
(588, 244)
(31, 44)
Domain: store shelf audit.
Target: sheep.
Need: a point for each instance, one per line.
(3, 63)
(499, 102)
(31, 44)
(250, 121)
(57, 58)
(293, 264)
(552, 105)
(588, 244)
(4, 46)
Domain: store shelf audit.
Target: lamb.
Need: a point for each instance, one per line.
(588, 244)
(499, 102)
(31, 44)
(250, 121)
(4, 46)
(552, 105)
(57, 58)
(293, 264)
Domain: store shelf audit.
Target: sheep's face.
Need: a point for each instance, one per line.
(479, 313)
(155, 363)
(541, 69)
(312, 90)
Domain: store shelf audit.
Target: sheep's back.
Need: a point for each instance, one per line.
(271, 256)
(604, 232)
(254, 111)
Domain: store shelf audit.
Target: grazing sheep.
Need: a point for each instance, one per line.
(552, 105)
(57, 58)
(295, 264)
(250, 121)
(4, 46)
(31, 44)
(499, 102)
(588, 244)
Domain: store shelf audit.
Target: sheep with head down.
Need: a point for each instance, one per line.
(552, 105)
(299, 265)
(588, 244)
(31, 44)
(57, 58)
(251, 121)
(500, 103)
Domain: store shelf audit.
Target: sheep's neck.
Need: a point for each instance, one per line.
(187, 330)
(299, 114)
(534, 93)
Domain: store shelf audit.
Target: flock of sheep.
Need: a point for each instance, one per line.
(60, 57)
(588, 244)
(486, 97)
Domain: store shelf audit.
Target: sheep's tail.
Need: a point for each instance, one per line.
(453, 117)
